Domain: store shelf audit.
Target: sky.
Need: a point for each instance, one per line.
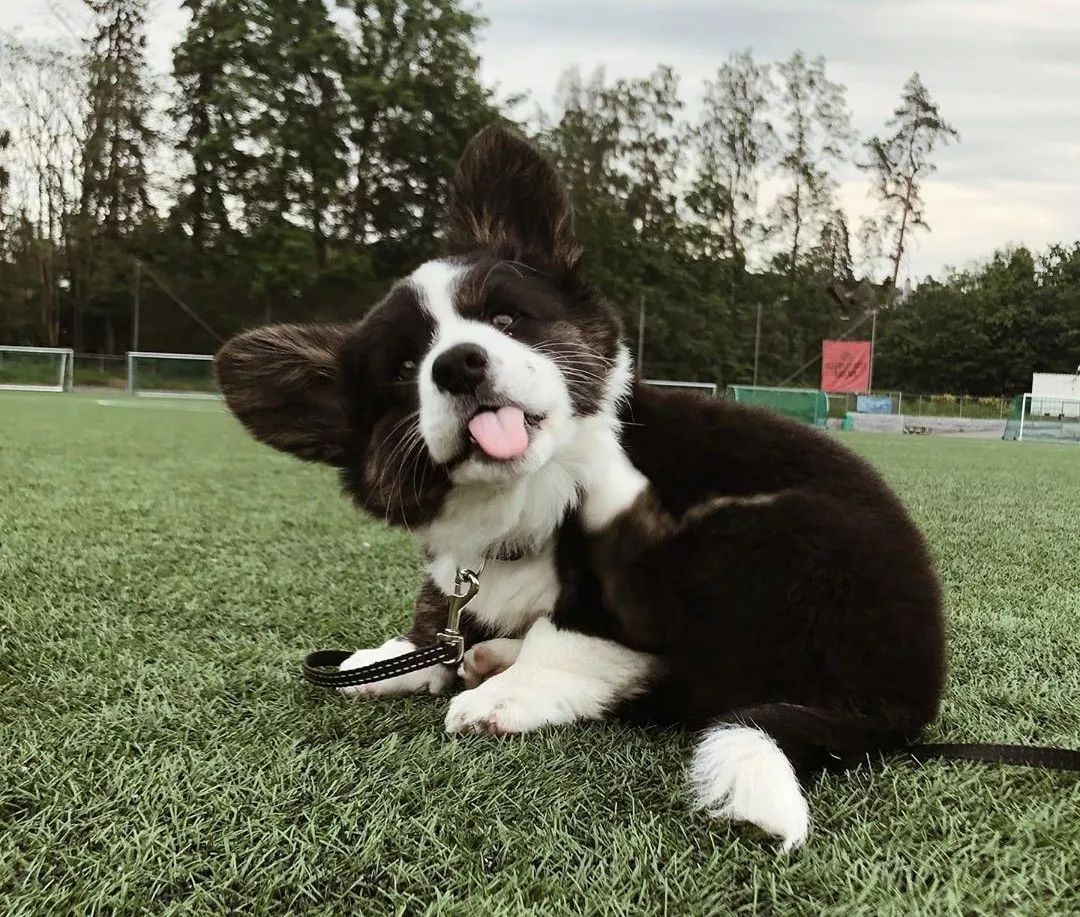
(1006, 73)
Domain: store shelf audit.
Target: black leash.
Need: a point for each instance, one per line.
(322, 668)
(1057, 759)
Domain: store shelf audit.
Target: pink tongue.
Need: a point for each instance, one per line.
(501, 434)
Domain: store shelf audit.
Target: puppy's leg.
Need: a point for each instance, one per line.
(429, 617)
(487, 659)
(559, 676)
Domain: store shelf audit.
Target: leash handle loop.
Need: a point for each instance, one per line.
(323, 667)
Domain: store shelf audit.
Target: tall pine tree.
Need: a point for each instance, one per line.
(301, 125)
(118, 141)
(213, 68)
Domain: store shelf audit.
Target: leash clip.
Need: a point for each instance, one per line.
(466, 585)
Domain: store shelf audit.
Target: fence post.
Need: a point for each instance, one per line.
(961, 407)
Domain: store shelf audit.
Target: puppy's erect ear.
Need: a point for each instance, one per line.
(284, 383)
(507, 197)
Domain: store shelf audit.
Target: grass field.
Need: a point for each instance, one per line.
(160, 576)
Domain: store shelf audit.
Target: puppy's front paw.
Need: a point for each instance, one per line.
(433, 680)
(486, 659)
(504, 705)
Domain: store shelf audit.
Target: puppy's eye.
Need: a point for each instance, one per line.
(407, 370)
(503, 320)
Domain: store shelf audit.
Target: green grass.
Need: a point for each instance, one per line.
(160, 576)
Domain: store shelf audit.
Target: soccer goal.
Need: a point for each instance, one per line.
(36, 369)
(171, 375)
(701, 388)
(806, 404)
(1044, 418)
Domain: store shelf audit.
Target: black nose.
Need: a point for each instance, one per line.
(461, 369)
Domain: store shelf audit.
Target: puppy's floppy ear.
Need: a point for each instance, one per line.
(284, 384)
(507, 197)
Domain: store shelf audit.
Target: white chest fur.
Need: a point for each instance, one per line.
(513, 594)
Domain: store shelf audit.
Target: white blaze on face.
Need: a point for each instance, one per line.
(436, 282)
(516, 373)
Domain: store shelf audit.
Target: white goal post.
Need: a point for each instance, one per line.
(36, 369)
(153, 374)
(1049, 417)
(705, 388)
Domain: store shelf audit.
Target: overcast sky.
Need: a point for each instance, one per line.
(1006, 73)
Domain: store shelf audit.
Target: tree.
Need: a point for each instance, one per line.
(732, 140)
(213, 68)
(831, 257)
(618, 146)
(300, 127)
(815, 132)
(118, 137)
(414, 99)
(900, 162)
(263, 134)
(39, 89)
(316, 148)
(5, 174)
(118, 141)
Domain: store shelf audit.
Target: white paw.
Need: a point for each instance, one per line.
(741, 774)
(512, 702)
(486, 659)
(434, 679)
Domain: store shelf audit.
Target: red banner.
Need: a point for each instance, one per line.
(845, 366)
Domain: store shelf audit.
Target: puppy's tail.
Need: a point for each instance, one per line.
(749, 768)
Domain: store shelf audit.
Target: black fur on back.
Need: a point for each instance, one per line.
(812, 610)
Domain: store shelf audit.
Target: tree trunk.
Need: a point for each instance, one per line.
(797, 217)
(906, 205)
(899, 253)
(319, 237)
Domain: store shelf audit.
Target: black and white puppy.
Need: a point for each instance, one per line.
(644, 552)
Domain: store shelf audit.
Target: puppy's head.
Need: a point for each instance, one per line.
(478, 367)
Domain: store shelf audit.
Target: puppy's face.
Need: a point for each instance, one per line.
(475, 369)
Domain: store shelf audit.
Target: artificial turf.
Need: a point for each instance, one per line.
(160, 576)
